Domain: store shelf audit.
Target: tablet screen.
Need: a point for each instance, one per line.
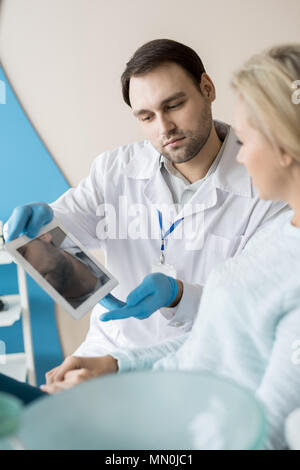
(64, 266)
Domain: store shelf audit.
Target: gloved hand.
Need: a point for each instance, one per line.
(156, 290)
(27, 220)
(111, 303)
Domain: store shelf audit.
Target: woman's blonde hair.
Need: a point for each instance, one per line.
(268, 85)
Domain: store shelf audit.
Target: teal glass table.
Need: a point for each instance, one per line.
(146, 410)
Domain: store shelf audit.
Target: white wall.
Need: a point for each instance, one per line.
(65, 57)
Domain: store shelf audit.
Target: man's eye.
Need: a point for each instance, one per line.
(239, 142)
(147, 118)
(175, 105)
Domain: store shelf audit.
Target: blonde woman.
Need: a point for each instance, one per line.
(249, 318)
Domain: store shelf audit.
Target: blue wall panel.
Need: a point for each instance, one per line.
(28, 173)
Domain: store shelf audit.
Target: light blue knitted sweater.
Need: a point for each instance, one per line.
(247, 328)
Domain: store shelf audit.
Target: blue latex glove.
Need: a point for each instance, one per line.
(28, 220)
(111, 303)
(157, 290)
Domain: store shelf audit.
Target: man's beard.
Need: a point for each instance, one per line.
(195, 139)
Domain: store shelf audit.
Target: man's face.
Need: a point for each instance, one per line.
(173, 113)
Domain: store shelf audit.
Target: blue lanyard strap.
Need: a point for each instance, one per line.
(171, 229)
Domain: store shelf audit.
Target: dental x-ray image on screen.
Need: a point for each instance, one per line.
(68, 270)
(74, 275)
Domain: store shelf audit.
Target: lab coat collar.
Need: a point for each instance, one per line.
(203, 199)
(144, 163)
(229, 175)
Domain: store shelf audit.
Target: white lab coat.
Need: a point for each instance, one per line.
(232, 213)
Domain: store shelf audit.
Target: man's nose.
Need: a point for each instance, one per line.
(166, 126)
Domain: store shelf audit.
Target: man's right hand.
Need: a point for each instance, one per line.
(27, 220)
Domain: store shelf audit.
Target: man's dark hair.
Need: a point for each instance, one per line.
(154, 53)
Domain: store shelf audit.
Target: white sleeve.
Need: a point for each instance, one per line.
(77, 207)
(130, 359)
(184, 314)
(279, 389)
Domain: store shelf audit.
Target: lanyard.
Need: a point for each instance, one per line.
(164, 236)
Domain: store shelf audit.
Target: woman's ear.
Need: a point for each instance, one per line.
(285, 160)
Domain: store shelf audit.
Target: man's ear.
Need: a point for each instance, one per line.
(207, 87)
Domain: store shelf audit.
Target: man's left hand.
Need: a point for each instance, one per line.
(156, 291)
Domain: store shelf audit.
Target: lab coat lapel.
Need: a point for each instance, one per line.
(146, 168)
(157, 191)
(205, 198)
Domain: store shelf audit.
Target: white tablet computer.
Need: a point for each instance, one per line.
(57, 261)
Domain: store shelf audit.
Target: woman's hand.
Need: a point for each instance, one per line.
(75, 370)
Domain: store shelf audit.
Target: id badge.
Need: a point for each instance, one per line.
(164, 268)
